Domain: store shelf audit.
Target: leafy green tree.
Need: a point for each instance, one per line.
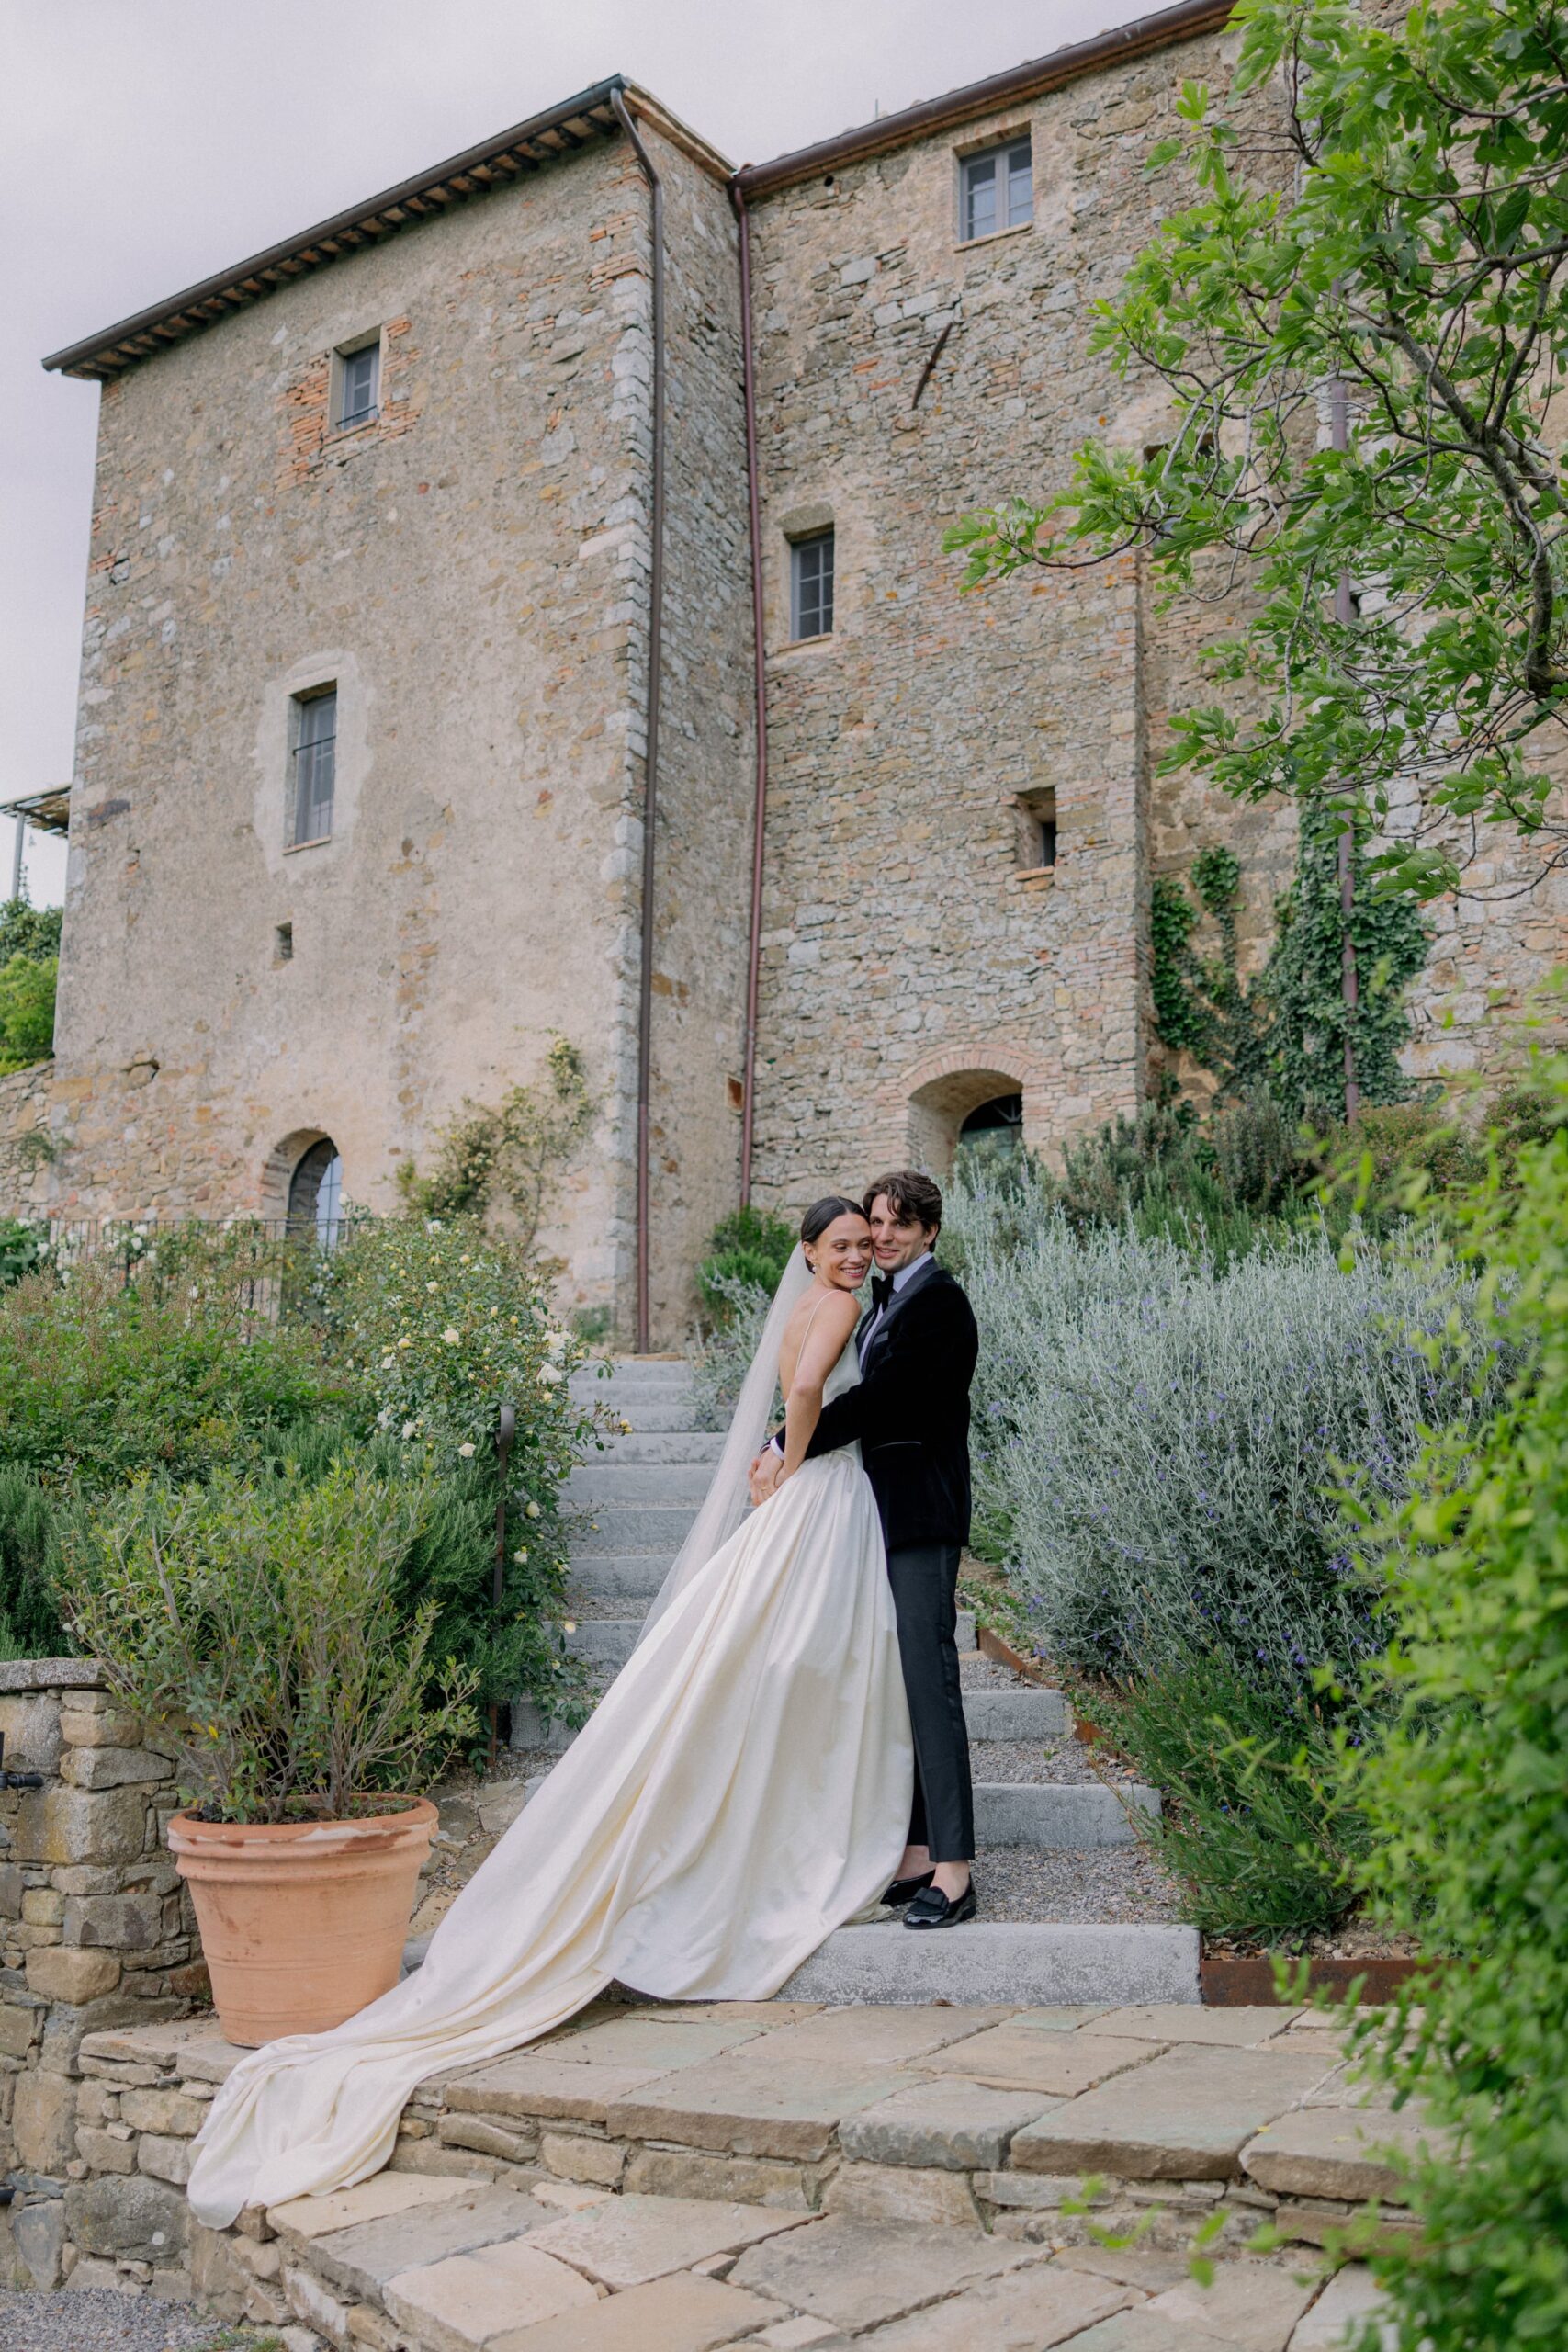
(27, 1010)
(1360, 322)
(1464, 1798)
(26, 930)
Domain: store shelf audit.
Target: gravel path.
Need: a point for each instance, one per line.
(97, 2319)
(1065, 1759)
(1117, 1883)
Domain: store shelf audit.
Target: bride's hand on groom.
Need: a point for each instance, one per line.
(765, 1475)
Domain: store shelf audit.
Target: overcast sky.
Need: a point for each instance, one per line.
(146, 143)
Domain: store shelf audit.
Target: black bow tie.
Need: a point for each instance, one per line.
(880, 1292)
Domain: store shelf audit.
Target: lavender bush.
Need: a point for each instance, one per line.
(1162, 1452)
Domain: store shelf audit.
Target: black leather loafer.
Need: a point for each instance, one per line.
(933, 1909)
(903, 1890)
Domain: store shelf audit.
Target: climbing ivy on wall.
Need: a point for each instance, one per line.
(1202, 1006)
(1303, 976)
(1283, 1033)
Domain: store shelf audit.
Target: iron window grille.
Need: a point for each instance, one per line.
(996, 190)
(314, 760)
(811, 586)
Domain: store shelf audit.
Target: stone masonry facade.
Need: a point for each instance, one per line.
(95, 1932)
(472, 570)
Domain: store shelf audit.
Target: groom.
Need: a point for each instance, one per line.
(918, 1344)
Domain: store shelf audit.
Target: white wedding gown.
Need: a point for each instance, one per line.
(742, 1789)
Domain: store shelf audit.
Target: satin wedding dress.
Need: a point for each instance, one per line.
(742, 1789)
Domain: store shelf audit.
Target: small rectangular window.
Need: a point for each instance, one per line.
(811, 586)
(1036, 830)
(358, 385)
(314, 762)
(283, 943)
(996, 190)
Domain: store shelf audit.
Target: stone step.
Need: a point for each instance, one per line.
(1051, 1816)
(1044, 1965)
(634, 1527)
(603, 1641)
(594, 1483)
(1055, 1816)
(621, 1576)
(669, 1445)
(1020, 1714)
(609, 1640)
(627, 1378)
(652, 1415)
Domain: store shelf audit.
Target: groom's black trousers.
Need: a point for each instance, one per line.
(924, 1578)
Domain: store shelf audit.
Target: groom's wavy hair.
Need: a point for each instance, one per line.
(907, 1194)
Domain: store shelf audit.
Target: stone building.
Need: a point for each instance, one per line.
(414, 535)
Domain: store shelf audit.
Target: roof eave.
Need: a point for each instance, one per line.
(526, 147)
(999, 91)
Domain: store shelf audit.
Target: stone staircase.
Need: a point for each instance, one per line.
(635, 1504)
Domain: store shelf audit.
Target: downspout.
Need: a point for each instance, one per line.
(650, 757)
(760, 690)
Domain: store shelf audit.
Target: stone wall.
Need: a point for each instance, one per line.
(471, 571)
(95, 1931)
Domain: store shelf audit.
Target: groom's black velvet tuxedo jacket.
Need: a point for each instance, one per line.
(911, 1411)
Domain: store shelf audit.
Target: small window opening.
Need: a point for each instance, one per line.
(996, 190)
(358, 385)
(283, 944)
(1036, 830)
(315, 1194)
(811, 586)
(314, 762)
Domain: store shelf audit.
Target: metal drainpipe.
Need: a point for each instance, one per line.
(650, 757)
(760, 686)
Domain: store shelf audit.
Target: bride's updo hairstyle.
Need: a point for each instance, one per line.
(824, 1213)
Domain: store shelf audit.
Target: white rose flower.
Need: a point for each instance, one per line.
(521, 1558)
(432, 1225)
(411, 1428)
(431, 1285)
(531, 1510)
(405, 1343)
(549, 1374)
(467, 1449)
(451, 1335)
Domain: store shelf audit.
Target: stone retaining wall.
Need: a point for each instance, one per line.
(95, 1931)
(577, 2122)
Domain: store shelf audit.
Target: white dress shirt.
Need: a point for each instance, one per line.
(905, 1274)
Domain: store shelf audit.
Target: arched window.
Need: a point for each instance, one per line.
(993, 1130)
(315, 1194)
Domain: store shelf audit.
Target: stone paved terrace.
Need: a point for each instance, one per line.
(679, 2178)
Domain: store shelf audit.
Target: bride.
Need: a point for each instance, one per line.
(742, 1789)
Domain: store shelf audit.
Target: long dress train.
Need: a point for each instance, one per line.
(742, 1789)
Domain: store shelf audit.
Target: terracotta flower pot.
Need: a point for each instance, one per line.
(302, 1922)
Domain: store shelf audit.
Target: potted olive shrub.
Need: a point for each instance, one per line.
(252, 1624)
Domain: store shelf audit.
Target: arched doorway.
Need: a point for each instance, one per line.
(315, 1193)
(992, 1133)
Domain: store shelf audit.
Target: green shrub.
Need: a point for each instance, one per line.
(1255, 1822)
(509, 1159)
(721, 1359)
(750, 1247)
(1155, 1441)
(104, 1375)
(434, 1325)
(33, 1519)
(27, 1010)
(1465, 1800)
(22, 1249)
(253, 1625)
